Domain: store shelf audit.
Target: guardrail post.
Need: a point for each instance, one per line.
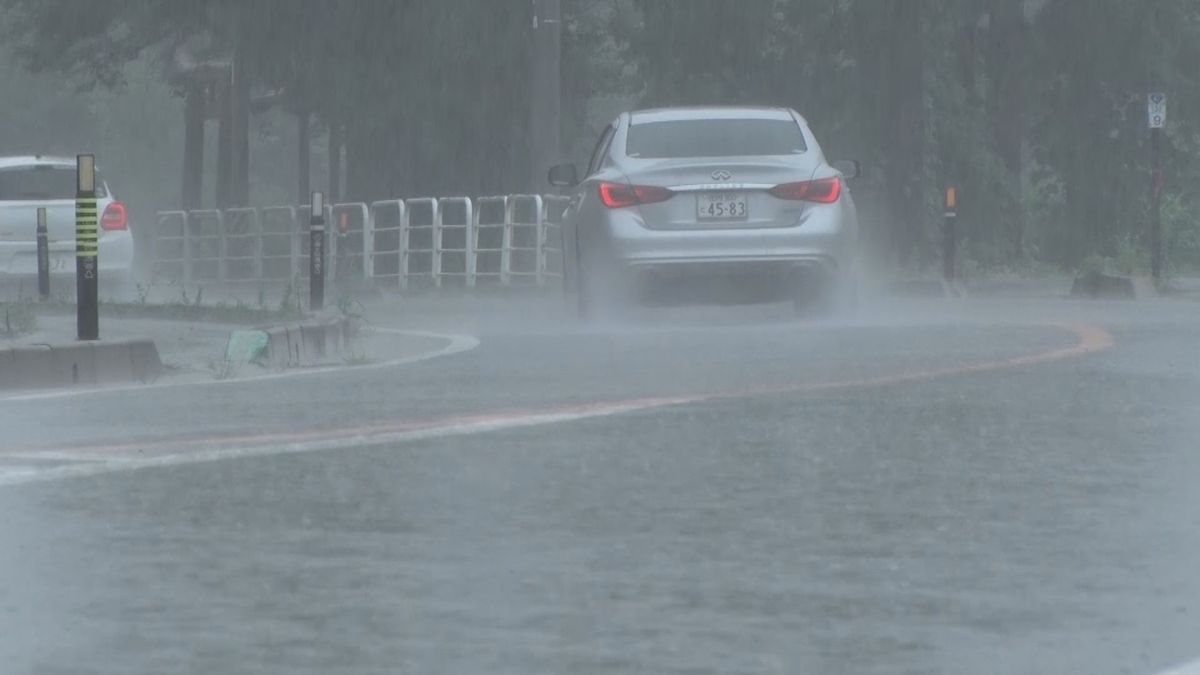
(43, 255)
(402, 247)
(222, 249)
(258, 246)
(435, 262)
(540, 255)
(187, 250)
(87, 250)
(506, 239)
(470, 262)
(368, 237)
(556, 205)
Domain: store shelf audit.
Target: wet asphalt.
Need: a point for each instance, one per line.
(1024, 517)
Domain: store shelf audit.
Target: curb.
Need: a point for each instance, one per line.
(290, 345)
(927, 288)
(1097, 285)
(79, 364)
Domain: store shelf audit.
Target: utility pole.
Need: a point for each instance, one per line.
(335, 163)
(546, 90)
(192, 193)
(225, 141)
(303, 155)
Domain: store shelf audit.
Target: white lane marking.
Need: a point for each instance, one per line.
(456, 345)
(1092, 339)
(1192, 668)
(24, 475)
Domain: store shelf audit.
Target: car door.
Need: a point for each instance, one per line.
(583, 201)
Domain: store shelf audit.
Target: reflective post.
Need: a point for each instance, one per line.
(316, 251)
(1156, 244)
(87, 272)
(950, 235)
(43, 255)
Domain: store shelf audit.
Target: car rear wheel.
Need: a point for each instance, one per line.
(601, 293)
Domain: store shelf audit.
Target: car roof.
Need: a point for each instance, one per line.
(35, 160)
(709, 113)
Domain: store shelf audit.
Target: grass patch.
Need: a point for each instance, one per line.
(222, 370)
(184, 310)
(357, 358)
(19, 318)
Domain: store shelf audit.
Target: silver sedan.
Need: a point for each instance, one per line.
(710, 204)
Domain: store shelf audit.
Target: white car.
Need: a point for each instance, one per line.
(692, 199)
(28, 183)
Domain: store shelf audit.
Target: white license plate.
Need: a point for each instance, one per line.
(722, 206)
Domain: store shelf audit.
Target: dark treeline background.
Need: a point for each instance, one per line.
(1034, 109)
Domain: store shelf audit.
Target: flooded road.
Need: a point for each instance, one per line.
(934, 489)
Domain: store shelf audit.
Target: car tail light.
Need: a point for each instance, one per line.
(114, 217)
(618, 195)
(821, 191)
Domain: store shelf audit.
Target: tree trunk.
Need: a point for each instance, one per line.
(240, 189)
(335, 163)
(303, 158)
(905, 123)
(225, 144)
(546, 100)
(367, 164)
(1007, 76)
(192, 192)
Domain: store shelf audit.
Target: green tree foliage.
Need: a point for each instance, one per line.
(1033, 109)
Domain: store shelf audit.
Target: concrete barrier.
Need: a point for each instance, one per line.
(304, 343)
(79, 364)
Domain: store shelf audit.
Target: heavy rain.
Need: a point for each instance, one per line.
(599, 336)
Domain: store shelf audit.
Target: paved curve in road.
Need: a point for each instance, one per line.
(1005, 486)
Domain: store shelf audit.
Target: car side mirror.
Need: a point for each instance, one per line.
(849, 168)
(564, 175)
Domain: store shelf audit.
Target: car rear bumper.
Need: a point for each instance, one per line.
(18, 259)
(818, 239)
(726, 280)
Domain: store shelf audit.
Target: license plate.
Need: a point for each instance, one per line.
(722, 206)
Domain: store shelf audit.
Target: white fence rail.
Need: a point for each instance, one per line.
(414, 243)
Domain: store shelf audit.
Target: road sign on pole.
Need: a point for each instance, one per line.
(950, 235)
(87, 267)
(1156, 110)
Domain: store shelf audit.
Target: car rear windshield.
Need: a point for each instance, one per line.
(714, 138)
(31, 183)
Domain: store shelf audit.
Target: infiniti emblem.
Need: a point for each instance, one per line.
(721, 175)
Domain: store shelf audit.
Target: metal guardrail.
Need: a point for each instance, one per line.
(413, 243)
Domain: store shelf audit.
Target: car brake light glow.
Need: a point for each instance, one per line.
(114, 217)
(821, 191)
(618, 195)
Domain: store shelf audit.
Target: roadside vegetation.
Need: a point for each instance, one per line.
(187, 307)
(19, 319)
(1034, 109)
